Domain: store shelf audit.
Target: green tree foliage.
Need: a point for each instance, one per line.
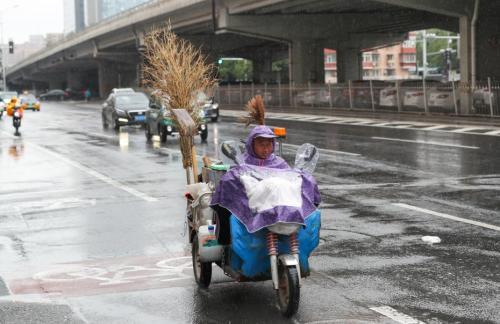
(235, 70)
(435, 48)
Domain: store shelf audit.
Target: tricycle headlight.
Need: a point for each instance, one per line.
(215, 106)
(202, 126)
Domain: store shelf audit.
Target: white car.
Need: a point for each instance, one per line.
(414, 93)
(442, 98)
(481, 100)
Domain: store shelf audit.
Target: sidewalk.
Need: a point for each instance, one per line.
(382, 116)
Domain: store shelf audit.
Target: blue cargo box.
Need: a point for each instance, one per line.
(249, 250)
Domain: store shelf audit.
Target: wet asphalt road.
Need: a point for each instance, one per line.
(91, 226)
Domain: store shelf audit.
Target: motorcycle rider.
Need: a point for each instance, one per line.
(16, 111)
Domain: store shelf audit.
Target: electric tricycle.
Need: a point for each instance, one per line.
(276, 251)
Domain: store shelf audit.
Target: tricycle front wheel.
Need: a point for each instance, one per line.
(289, 290)
(202, 270)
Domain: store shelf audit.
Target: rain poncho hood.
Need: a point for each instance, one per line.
(249, 156)
(261, 192)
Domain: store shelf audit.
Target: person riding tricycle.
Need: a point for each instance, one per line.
(258, 218)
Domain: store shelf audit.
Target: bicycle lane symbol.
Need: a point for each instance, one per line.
(95, 278)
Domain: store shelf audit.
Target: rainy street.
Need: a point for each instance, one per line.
(92, 226)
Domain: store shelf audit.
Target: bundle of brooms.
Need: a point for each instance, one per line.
(177, 71)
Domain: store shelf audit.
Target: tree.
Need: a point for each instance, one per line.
(235, 70)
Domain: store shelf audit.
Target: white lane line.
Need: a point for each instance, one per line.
(395, 315)
(324, 150)
(495, 132)
(93, 173)
(455, 218)
(99, 176)
(435, 127)
(463, 130)
(424, 142)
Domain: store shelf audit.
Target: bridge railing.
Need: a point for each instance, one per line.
(404, 96)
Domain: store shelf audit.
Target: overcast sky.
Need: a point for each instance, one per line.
(21, 18)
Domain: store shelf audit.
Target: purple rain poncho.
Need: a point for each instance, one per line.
(261, 193)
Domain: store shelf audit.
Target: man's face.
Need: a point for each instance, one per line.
(263, 147)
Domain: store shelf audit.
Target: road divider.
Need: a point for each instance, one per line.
(424, 142)
(451, 217)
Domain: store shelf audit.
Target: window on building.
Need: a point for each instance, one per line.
(390, 57)
(390, 72)
(331, 58)
(367, 57)
(375, 58)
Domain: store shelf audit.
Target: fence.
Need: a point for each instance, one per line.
(418, 96)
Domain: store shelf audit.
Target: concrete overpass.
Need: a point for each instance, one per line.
(107, 55)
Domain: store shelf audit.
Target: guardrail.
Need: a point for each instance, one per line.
(416, 96)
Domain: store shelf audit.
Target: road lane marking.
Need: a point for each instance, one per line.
(93, 173)
(455, 218)
(395, 315)
(464, 130)
(495, 132)
(324, 150)
(435, 127)
(425, 142)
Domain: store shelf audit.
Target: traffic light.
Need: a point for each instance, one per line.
(11, 47)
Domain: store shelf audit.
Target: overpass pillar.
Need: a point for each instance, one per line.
(263, 67)
(465, 65)
(75, 80)
(56, 84)
(108, 77)
(306, 62)
(349, 64)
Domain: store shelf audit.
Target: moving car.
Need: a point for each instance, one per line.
(29, 102)
(159, 122)
(210, 107)
(124, 109)
(55, 94)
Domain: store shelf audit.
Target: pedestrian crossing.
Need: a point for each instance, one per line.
(415, 125)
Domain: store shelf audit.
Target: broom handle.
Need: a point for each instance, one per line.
(195, 164)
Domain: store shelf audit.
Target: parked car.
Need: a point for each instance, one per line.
(55, 94)
(124, 109)
(159, 122)
(75, 94)
(315, 97)
(441, 98)
(29, 102)
(481, 100)
(361, 93)
(414, 93)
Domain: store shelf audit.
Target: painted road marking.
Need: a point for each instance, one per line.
(109, 275)
(395, 315)
(455, 218)
(426, 126)
(495, 132)
(435, 127)
(93, 173)
(464, 130)
(327, 151)
(425, 142)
